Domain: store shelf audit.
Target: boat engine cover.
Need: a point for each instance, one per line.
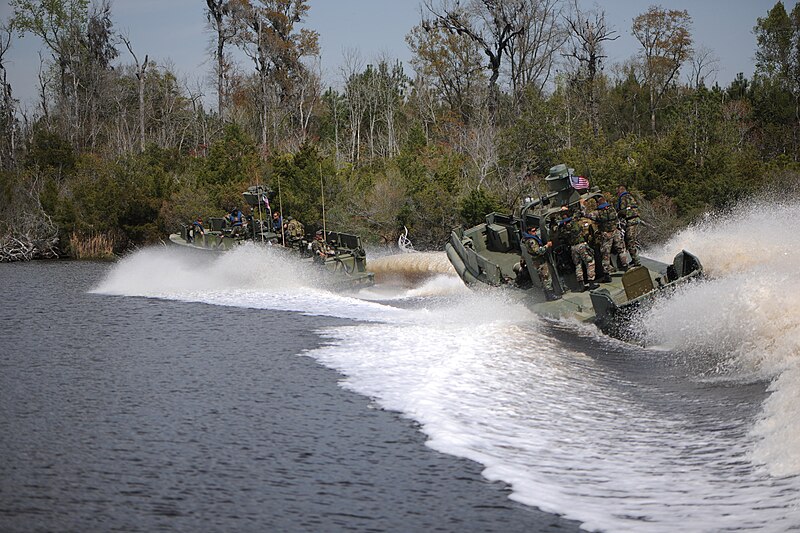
(637, 281)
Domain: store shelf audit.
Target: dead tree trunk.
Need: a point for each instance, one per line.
(140, 69)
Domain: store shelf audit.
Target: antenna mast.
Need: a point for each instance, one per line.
(322, 192)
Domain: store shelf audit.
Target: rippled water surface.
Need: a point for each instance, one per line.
(137, 414)
(235, 392)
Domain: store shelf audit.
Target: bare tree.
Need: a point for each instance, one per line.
(200, 122)
(370, 85)
(96, 70)
(140, 70)
(381, 89)
(492, 24)
(333, 103)
(531, 54)
(451, 64)
(41, 77)
(588, 32)
(705, 63)
(393, 88)
(219, 14)
(7, 106)
(307, 98)
(425, 101)
(123, 137)
(167, 110)
(60, 24)
(33, 235)
(81, 44)
(480, 145)
(354, 96)
(269, 38)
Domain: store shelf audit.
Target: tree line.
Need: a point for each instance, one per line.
(118, 151)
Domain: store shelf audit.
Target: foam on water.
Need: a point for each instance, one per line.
(154, 271)
(567, 433)
(248, 276)
(747, 316)
(436, 286)
(488, 381)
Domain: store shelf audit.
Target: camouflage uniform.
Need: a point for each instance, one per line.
(538, 253)
(320, 249)
(294, 230)
(575, 233)
(610, 236)
(628, 210)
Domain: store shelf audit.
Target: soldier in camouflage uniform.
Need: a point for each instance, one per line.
(589, 205)
(320, 248)
(294, 230)
(538, 253)
(610, 237)
(574, 231)
(628, 210)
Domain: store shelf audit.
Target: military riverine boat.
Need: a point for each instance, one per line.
(487, 254)
(346, 261)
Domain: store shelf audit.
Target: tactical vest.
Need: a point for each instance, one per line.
(576, 231)
(535, 246)
(295, 229)
(627, 206)
(607, 219)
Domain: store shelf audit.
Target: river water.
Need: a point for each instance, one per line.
(173, 391)
(146, 414)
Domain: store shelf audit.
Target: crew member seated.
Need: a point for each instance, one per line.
(294, 230)
(320, 248)
(236, 220)
(196, 229)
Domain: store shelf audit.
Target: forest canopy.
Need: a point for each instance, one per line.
(119, 152)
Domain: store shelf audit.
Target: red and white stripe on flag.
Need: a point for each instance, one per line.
(579, 182)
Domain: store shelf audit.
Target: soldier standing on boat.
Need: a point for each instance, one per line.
(610, 237)
(294, 229)
(538, 253)
(574, 231)
(628, 210)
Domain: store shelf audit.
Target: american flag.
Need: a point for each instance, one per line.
(579, 182)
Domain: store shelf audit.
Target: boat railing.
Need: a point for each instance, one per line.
(216, 223)
(479, 266)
